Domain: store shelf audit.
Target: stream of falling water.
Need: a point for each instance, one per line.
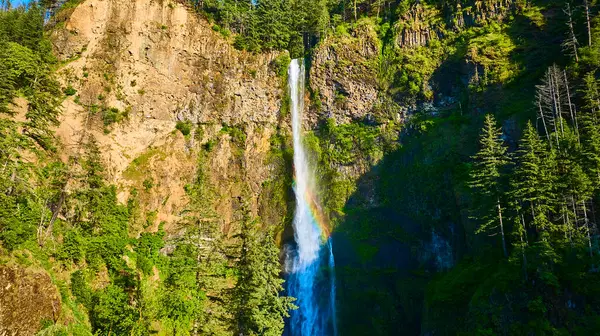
(310, 262)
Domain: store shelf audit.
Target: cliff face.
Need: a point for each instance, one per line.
(343, 75)
(153, 64)
(419, 25)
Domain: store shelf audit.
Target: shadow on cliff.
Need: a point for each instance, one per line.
(407, 221)
(400, 226)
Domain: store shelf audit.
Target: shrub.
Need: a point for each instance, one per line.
(70, 91)
(148, 183)
(81, 289)
(111, 115)
(280, 65)
(185, 127)
(236, 133)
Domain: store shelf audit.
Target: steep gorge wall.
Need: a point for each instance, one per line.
(157, 63)
(343, 76)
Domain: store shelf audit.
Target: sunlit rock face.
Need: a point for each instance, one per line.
(160, 63)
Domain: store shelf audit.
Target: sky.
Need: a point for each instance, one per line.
(16, 3)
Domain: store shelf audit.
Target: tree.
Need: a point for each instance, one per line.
(273, 29)
(591, 127)
(553, 100)
(181, 299)
(213, 257)
(534, 180)
(587, 20)
(111, 313)
(486, 178)
(571, 43)
(258, 305)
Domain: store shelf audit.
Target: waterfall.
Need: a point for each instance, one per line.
(310, 263)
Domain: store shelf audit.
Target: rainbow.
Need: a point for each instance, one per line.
(319, 220)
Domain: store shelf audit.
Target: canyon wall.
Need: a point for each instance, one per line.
(154, 64)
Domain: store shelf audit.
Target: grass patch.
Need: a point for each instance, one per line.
(137, 168)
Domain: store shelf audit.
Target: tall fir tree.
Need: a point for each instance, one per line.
(486, 179)
(591, 127)
(259, 307)
(533, 181)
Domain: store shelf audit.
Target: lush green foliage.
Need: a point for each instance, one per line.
(185, 127)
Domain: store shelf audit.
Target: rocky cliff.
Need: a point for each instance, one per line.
(153, 64)
(175, 109)
(343, 75)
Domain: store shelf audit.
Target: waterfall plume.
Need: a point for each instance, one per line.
(310, 263)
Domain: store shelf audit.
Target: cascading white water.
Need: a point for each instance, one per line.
(306, 282)
(307, 233)
(332, 289)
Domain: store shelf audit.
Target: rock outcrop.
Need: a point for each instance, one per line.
(343, 76)
(419, 25)
(477, 13)
(28, 298)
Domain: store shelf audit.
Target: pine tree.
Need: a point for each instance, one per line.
(533, 180)
(259, 306)
(575, 187)
(212, 255)
(272, 25)
(591, 128)
(486, 178)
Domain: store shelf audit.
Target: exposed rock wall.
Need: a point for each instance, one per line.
(158, 63)
(476, 13)
(343, 76)
(419, 25)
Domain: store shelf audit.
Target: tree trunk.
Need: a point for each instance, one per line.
(571, 107)
(593, 211)
(587, 227)
(61, 201)
(523, 244)
(502, 228)
(564, 218)
(587, 19)
(524, 229)
(40, 230)
(13, 178)
(556, 99)
(574, 211)
(544, 123)
(572, 38)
